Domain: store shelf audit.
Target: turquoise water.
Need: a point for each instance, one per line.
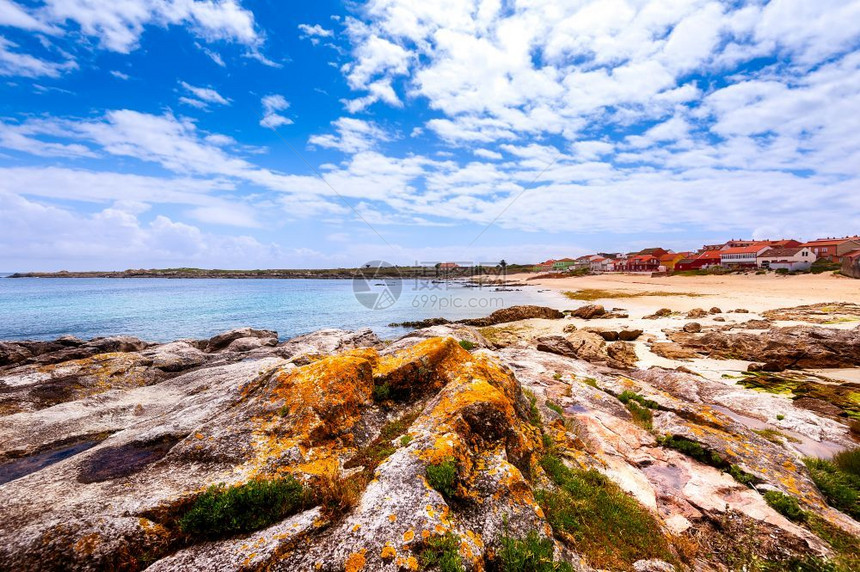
(165, 309)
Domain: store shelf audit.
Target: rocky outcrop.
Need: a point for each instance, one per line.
(399, 449)
(515, 314)
(831, 312)
(511, 314)
(589, 312)
(793, 347)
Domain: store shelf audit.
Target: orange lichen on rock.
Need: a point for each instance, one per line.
(388, 552)
(355, 562)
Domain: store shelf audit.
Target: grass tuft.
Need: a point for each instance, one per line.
(530, 554)
(442, 552)
(707, 457)
(555, 407)
(598, 519)
(841, 488)
(254, 505)
(443, 477)
(785, 505)
(467, 345)
(382, 392)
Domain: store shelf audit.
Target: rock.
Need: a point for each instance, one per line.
(589, 312)
(569, 328)
(222, 341)
(670, 350)
(99, 481)
(793, 347)
(608, 335)
(768, 366)
(741, 311)
(715, 310)
(696, 313)
(719, 319)
(652, 565)
(755, 325)
(556, 345)
(515, 314)
(327, 341)
(693, 327)
(629, 335)
(622, 354)
(661, 313)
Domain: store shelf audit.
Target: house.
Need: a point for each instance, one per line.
(707, 258)
(657, 252)
(797, 258)
(563, 264)
(448, 266)
(545, 266)
(668, 261)
(643, 263)
(742, 256)
(851, 264)
(833, 249)
(596, 263)
(785, 243)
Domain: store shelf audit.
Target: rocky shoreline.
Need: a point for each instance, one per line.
(518, 435)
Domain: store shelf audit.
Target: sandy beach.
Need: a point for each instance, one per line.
(756, 293)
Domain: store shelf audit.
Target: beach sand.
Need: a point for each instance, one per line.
(756, 293)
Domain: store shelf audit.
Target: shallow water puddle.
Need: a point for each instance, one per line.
(124, 460)
(22, 467)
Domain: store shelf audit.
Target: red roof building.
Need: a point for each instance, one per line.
(700, 261)
(742, 256)
(833, 248)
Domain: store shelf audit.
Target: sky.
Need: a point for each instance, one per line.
(268, 134)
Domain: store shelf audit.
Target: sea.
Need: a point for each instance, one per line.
(161, 310)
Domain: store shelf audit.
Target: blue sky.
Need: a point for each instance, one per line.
(244, 134)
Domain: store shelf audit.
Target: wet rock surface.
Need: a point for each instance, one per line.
(102, 456)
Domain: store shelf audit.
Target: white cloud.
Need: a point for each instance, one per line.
(272, 104)
(203, 95)
(120, 75)
(12, 14)
(487, 154)
(15, 63)
(353, 135)
(118, 26)
(315, 32)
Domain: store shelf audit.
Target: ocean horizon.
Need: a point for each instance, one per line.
(162, 310)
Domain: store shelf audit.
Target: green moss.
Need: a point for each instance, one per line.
(775, 436)
(590, 381)
(780, 417)
(443, 553)
(628, 396)
(795, 386)
(443, 477)
(640, 408)
(371, 455)
(381, 392)
(405, 440)
(785, 505)
(698, 452)
(530, 554)
(642, 416)
(591, 294)
(609, 527)
(839, 487)
(256, 504)
(467, 345)
(534, 414)
(555, 407)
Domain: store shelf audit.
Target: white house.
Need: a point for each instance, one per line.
(797, 258)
